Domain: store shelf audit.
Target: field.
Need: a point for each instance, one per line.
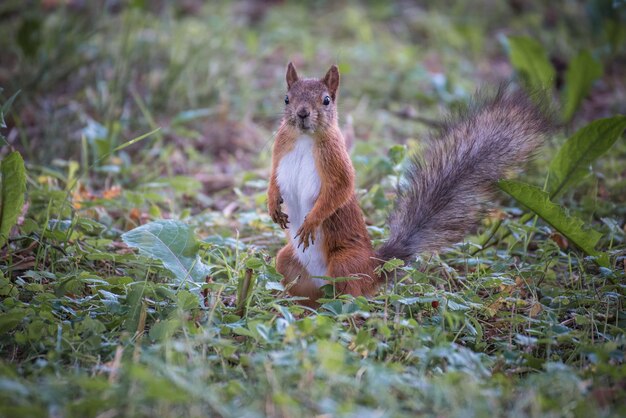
(137, 271)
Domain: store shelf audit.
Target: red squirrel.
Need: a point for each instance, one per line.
(444, 195)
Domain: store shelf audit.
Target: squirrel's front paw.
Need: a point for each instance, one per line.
(278, 216)
(306, 234)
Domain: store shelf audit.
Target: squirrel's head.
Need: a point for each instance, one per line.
(310, 104)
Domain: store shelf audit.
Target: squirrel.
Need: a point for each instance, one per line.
(312, 178)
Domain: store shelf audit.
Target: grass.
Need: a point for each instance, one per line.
(89, 327)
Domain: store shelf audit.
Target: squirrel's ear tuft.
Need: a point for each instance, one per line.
(331, 79)
(292, 75)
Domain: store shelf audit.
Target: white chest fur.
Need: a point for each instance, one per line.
(299, 184)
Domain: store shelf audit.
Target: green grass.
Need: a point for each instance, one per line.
(89, 327)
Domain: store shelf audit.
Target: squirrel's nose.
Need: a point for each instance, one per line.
(303, 113)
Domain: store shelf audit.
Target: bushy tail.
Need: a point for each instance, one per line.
(446, 191)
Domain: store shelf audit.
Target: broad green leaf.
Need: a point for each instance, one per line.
(397, 153)
(572, 161)
(580, 75)
(456, 306)
(530, 60)
(186, 300)
(174, 244)
(254, 263)
(539, 202)
(164, 330)
(13, 189)
(392, 264)
(10, 320)
(134, 301)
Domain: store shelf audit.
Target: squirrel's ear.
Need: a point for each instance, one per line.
(292, 75)
(331, 79)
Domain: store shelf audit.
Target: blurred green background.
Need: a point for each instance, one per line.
(211, 74)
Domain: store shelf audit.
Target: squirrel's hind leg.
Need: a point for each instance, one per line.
(296, 279)
(357, 263)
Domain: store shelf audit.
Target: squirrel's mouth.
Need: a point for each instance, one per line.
(304, 125)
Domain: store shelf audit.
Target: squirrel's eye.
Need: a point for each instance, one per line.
(286, 99)
(326, 100)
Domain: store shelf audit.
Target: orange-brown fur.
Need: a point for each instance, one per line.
(346, 245)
